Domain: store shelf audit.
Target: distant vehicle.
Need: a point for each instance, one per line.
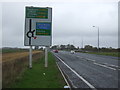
(72, 52)
(55, 51)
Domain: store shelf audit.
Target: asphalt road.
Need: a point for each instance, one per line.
(99, 70)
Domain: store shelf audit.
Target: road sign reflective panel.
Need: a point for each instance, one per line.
(38, 26)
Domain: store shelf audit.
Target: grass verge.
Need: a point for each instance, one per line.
(115, 54)
(41, 77)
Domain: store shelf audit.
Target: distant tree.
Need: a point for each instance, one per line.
(41, 48)
(110, 48)
(94, 49)
(88, 47)
(54, 47)
(36, 47)
(103, 49)
(63, 47)
(68, 47)
(72, 47)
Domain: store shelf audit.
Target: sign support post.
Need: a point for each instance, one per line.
(30, 57)
(46, 56)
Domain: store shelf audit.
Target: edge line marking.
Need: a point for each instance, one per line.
(91, 86)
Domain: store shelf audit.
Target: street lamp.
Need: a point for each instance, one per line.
(98, 37)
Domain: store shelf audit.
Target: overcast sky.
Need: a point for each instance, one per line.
(72, 23)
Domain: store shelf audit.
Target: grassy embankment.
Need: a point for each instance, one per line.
(115, 54)
(41, 77)
(14, 64)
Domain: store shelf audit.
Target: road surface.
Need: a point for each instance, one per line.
(89, 70)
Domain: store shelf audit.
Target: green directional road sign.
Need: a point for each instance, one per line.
(38, 26)
(34, 12)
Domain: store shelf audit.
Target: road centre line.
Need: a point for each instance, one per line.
(91, 86)
(90, 60)
(101, 64)
(104, 66)
(111, 65)
(87, 58)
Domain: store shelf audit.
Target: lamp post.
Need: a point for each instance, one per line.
(98, 37)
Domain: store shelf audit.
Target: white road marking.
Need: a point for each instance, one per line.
(63, 75)
(91, 86)
(100, 64)
(111, 65)
(104, 66)
(86, 58)
(91, 60)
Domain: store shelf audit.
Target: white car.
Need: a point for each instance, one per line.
(72, 52)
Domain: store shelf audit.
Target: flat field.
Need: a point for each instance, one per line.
(14, 55)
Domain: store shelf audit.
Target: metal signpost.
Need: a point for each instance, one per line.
(38, 29)
(46, 57)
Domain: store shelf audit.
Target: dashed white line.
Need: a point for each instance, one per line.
(101, 64)
(91, 86)
(104, 66)
(86, 58)
(111, 65)
(90, 59)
